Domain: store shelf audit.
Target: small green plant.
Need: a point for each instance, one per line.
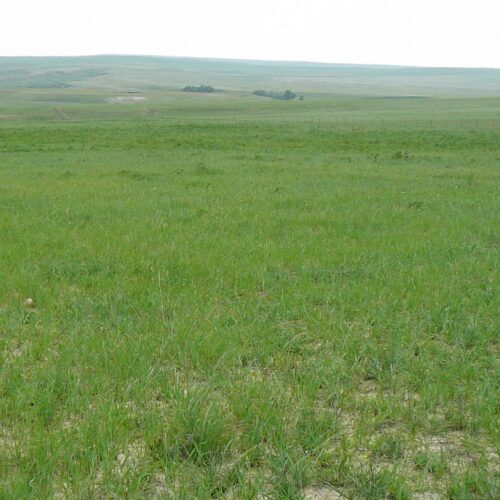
(473, 485)
(402, 155)
(388, 446)
(431, 462)
(384, 484)
(290, 473)
(198, 430)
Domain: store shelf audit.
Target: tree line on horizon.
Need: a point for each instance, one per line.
(287, 95)
(199, 88)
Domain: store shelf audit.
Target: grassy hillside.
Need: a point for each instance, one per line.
(235, 297)
(153, 73)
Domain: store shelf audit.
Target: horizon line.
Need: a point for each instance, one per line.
(214, 58)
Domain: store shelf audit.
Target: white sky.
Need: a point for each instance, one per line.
(413, 32)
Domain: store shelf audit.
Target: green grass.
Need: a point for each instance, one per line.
(243, 298)
(115, 73)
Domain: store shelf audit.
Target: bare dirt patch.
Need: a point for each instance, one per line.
(427, 495)
(15, 350)
(321, 493)
(126, 99)
(131, 458)
(7, 441)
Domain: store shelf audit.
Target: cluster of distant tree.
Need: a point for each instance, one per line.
(199, 88)
(288, 95)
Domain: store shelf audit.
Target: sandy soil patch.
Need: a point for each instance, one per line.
(126, 99)
(321, 493)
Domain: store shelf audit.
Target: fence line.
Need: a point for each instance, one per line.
(454, 123)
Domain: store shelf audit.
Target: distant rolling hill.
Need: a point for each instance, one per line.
(140, 73)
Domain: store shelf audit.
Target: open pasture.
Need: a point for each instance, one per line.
(236, 297)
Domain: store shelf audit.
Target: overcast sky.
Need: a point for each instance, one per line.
(408, 32)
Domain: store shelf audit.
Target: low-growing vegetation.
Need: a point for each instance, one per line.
(196, 304)
(287, 95)
(204, 89)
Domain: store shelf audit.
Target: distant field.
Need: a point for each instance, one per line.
(237, 297)
(164, 73)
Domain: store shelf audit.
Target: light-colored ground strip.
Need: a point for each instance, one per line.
(130, 458)
(427, 495)
(13, 351)
(322, 493)
(7, 441)
(159, 488)
(126, 99)
(442, 443)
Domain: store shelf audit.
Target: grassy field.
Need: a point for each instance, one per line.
(238, 297)
(160, 73)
